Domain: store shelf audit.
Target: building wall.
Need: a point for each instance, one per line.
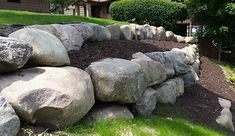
(27, 5)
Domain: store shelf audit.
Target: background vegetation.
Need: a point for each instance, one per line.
(155, 12)
(219, 18)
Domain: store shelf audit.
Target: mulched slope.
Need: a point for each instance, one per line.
(92, 52)
(200, 101)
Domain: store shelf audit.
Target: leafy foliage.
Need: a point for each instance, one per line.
(154, 12)
(219, 18)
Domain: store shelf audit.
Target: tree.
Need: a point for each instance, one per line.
(61, 4)
(219, 18)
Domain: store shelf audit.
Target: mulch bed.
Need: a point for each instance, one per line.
(91, 52)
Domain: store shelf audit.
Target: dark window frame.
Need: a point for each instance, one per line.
(14, 1)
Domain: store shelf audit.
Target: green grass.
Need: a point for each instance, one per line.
(8, 17)
(229, 71)
(143, 127)
(168, 120)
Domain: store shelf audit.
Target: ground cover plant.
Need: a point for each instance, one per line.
(229, 71)
(9, 17)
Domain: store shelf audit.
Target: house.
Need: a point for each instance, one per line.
(90, 8)
(26, 5)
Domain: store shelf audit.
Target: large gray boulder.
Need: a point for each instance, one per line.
(190, 55)
(117, 80)
(174, 61)
(161, 34)
(126, 32)
(179, 39)
(53, 97)
(108, 112)
(147, 103)
(47, 49)
(168, 91)
(9, 121)
(224, 103)
(48, 28)
(69, 36)
(190, 39)
(154, 30)
(154, 71)
(190, 78)
(226, 119)
(86, 31)
(115, 31)
(170, 36)
(101, 33)
(196, 66)
(135, 28)
(146, 32)
(13, 54)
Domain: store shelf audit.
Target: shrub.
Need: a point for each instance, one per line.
(155, 12)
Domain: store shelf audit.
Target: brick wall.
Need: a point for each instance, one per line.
(27, 5)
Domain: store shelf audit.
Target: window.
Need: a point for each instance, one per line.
(16, 1)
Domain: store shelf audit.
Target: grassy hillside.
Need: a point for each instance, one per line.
(8, 17)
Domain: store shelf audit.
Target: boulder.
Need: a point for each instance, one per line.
(146, 32)
(147, 103)
(190, 78)
(69, 36)
(126, 32)
(86, 31)
(117, 80)
(48, 28)
(52, 97)
(47, 49)
(179, 39)
(115, 31)
(190, 39)
(9, 121)
(170, 36)
(135, 28)
(224, 103)
(168, 91)
(108, 112)
(174, 61)
(154, 71)
(189, 52)
(13, 54)
(161, 34)
(196, 67)
(226, 119)
(154, 30)
(101, 33)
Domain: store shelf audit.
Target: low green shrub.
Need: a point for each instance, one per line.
(231, 79)
(155, 12)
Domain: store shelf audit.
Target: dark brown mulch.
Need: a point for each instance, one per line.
(91, 52)
(5, 30)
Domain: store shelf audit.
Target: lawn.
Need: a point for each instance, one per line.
(8, 17)
(160, 124)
